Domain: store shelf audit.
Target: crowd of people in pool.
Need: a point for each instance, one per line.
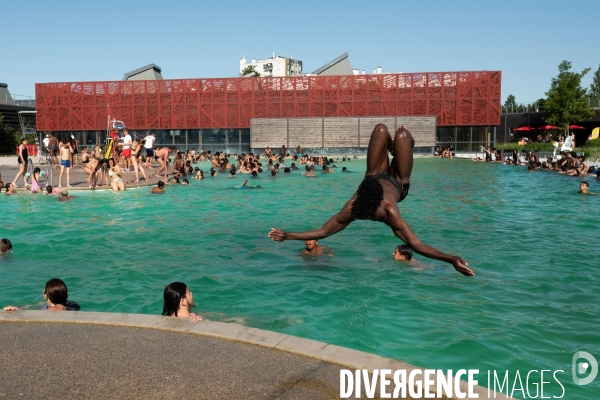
(128, 157)
(567, 162)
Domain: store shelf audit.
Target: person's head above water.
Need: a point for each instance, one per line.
(403, 252)
(56, 291)
(5, 245)
(311, 244)
(583, 187)
(177, 298)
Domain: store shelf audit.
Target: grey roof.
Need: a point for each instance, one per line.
(142, 69)
(330, 64)
(3, 85)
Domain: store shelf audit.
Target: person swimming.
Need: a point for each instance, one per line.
(245, 186)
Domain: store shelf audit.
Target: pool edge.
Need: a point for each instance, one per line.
(353, 359)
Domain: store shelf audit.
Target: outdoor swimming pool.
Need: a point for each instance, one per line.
(531, 239)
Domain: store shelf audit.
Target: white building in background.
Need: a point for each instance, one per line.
(274, 66)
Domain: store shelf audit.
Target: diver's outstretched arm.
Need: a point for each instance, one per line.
(404, 233)
(335, 224)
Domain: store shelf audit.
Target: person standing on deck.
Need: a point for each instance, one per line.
(65, 162)
(22, 158)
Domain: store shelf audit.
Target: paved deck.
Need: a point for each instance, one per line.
(79, 179)
(82, 355)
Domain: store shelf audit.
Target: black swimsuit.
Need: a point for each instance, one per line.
(401, 187)
(25, 156)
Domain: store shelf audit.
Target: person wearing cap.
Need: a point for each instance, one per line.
(64, 195)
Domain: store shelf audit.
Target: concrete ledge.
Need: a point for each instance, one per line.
(352, 359)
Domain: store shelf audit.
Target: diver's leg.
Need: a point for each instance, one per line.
(402, 163)
(377, 153)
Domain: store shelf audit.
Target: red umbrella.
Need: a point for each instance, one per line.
(576, 127)
(523, 128)
(547, 127)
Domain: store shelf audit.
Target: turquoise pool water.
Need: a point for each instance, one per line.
(532, 241)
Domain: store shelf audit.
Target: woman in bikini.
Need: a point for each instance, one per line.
(115, 175)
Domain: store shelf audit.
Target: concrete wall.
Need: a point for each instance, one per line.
(349, 132)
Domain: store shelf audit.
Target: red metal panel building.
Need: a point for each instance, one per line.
(456, 98)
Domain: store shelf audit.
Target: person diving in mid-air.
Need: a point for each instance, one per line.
(376, 198)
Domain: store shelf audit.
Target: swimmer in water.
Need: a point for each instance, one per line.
(159, 189)
(5, 246)
(245, 186)
(312, 248)
(403, 253)
(309, 171)
(584, 189)
(376, 199)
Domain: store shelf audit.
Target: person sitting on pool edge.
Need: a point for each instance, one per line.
(55, 294)
(160, 188)
(178, 301)
(376, 198)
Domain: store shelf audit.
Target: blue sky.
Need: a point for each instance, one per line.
(62, 41)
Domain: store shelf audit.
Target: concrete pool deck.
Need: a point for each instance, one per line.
(105, 355)
(9, 168)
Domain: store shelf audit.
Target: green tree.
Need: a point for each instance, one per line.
(510, 104)
(566, 100)
(8, 138)
(595, 88)
(249, 70)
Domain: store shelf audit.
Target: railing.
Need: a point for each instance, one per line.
(17, 100)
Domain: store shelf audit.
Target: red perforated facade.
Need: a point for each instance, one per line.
(456, 98)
